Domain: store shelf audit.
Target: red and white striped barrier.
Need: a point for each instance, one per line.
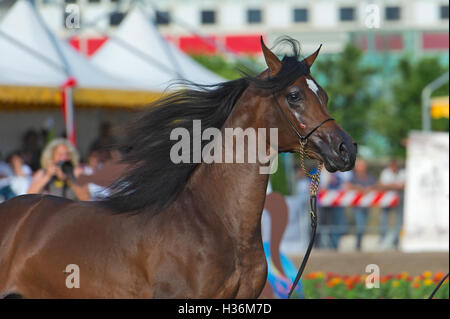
(333, 198)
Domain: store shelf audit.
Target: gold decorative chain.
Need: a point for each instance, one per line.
(315, 178)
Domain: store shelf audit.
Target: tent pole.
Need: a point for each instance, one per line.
(66, 104)
(165, 44)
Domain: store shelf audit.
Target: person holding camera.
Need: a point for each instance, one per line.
(58, 173)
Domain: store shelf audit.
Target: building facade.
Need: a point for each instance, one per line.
(209, 26)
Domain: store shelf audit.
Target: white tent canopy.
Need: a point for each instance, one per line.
(138, 52)
(33, 56)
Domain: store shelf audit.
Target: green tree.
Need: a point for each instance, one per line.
(403, 112)
(219, 65)
(229, 70)
(279, 178)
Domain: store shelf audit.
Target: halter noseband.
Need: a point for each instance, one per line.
(302, 138)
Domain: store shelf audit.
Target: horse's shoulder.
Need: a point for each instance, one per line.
(42, 199)
(31, 203)
(21, 201)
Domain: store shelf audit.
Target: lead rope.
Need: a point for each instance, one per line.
(313, 187)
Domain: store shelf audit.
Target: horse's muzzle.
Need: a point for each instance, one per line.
(337, 150)
(342, 157)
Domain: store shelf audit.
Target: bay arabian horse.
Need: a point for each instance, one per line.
(173, 230)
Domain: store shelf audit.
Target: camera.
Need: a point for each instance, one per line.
(66, 168)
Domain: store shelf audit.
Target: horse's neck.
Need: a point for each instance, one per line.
(235, 192)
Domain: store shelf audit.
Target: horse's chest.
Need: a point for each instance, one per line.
(251, 275)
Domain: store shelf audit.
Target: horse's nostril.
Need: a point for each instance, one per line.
(343, 152)
(342, 148)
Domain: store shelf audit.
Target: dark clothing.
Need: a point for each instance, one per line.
(369, 180)
(104, 144)
(361, 213)
(6, 193)
(361, 218)
(61, 189)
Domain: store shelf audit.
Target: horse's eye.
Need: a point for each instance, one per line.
(293, 96)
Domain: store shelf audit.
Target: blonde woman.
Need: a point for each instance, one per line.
(59, 170)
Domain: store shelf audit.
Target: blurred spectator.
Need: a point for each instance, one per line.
(31, 149)
(332, 219)
(302, 190)
(363, 182)
(103, 175)
(105, 140)
(299, 211)
(15, 176)
(60, 168)
(20, 179)
(392, 178)
(5, 173)
(93, 164)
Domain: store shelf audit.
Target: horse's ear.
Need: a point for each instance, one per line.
(272, 61)
(310, 60)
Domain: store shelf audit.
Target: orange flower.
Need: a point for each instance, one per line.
(395, 283)
(363, 278)
(314, 275)
(330, 276)
(427, 274)
(417, 279)
(386, 278)
(416, 284)
(355, 278)
(428, 282)
(402, 275)
(349, 283)
(334, 281)
(438, 276)
(311, 275)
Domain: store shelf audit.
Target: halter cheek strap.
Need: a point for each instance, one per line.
(301, 137)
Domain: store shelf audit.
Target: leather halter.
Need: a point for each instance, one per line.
(301, 137)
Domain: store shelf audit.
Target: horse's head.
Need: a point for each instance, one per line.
(304, 104)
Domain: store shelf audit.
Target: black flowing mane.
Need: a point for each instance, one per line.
(154, 180)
